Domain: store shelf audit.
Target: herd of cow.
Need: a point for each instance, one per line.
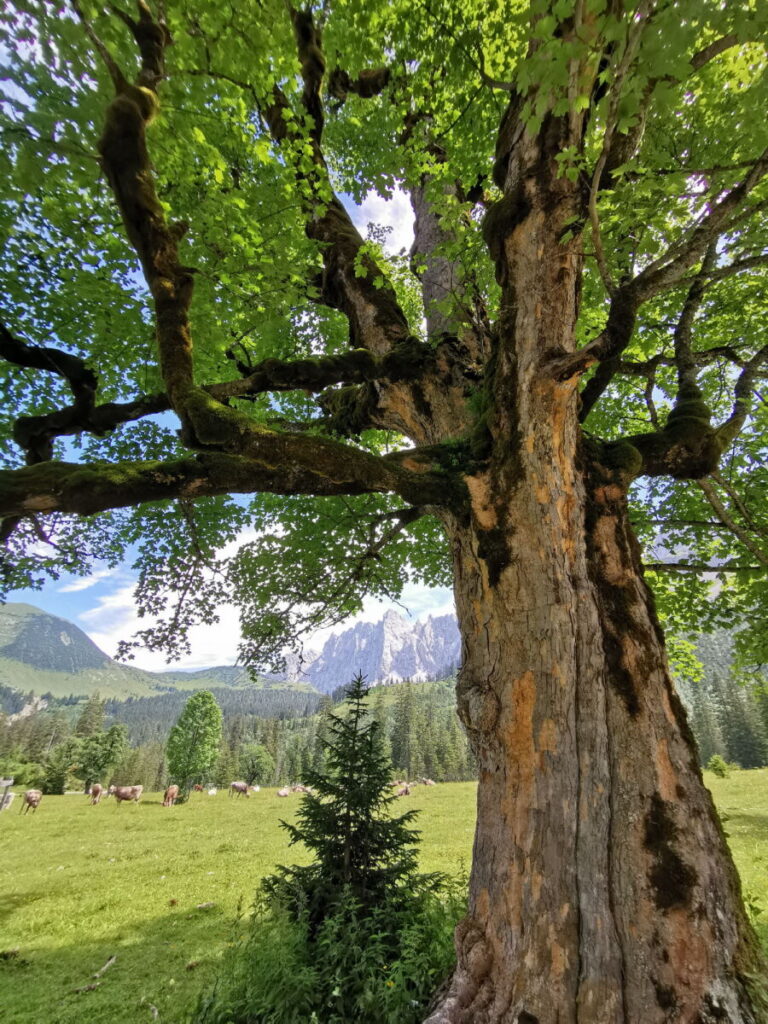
(31, 799)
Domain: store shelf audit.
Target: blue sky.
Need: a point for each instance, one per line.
(102, 604)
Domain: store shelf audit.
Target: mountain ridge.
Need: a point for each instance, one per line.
(43, 653)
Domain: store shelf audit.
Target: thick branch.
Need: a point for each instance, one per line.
(82, 381)
(623, 146)
(408, 360)
(351, 280)
(742, 397)
(368, 83)
(664, 273)
(684, 356)
(35, 434)
(326, 469)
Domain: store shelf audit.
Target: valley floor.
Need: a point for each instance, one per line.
(163, 890)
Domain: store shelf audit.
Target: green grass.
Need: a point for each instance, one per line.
(79, 884)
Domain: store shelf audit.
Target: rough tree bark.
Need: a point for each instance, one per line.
(602, 890)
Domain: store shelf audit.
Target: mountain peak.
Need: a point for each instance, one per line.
(387, 651)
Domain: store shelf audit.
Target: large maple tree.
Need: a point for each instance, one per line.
(190, 314)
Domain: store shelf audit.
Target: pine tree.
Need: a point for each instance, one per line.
(706, 727)
(91, 720)
(360, 851)
(742, 726)
(99, 753)
(402, 730)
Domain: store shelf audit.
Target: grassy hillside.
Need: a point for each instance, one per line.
(42, 653)
(114, 680)
(80, 884)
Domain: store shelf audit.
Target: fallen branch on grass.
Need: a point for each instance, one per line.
(101, 970)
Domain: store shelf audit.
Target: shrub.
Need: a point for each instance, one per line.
(380, 967)
(718, 766)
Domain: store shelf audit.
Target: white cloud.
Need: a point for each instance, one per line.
(395, 213)
(85, 582)
(115, 618)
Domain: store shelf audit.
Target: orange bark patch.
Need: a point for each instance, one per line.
(482, 506)
(690, 946)
(665, 774)
(559, 958)
(667, 709)
(516, 726)
(40, 503)
(548, 737)
(415, 466)
(543, 494)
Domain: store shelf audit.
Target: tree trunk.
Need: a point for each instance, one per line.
(602, 890)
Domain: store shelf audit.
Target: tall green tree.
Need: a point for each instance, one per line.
(257, 766)
(582, 308)
(100, 752)
(193, 743)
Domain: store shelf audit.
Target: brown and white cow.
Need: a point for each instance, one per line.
(170, 796)
(95, 792)
(121, 793)
(404, 790)
(197, 788)
(31, 799)
(239, 789)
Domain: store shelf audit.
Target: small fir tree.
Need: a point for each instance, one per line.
(362, 853)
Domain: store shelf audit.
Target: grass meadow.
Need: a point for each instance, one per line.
(161, 890)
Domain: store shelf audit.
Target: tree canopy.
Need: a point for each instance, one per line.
(193, 743)
(219, 155)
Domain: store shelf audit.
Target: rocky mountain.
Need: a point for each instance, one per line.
(41, 653)
(387, 651)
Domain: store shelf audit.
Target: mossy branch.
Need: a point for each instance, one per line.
(334, 470)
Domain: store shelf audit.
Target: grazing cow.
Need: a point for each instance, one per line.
(238, 789)
(212, 791)
(404, 790)
(284, 792)
(95, 792)
(31, 799)
(170, 796)
(428, 782)
(121, 793)
(6, 801)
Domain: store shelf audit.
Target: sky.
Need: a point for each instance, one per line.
(102, 604)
